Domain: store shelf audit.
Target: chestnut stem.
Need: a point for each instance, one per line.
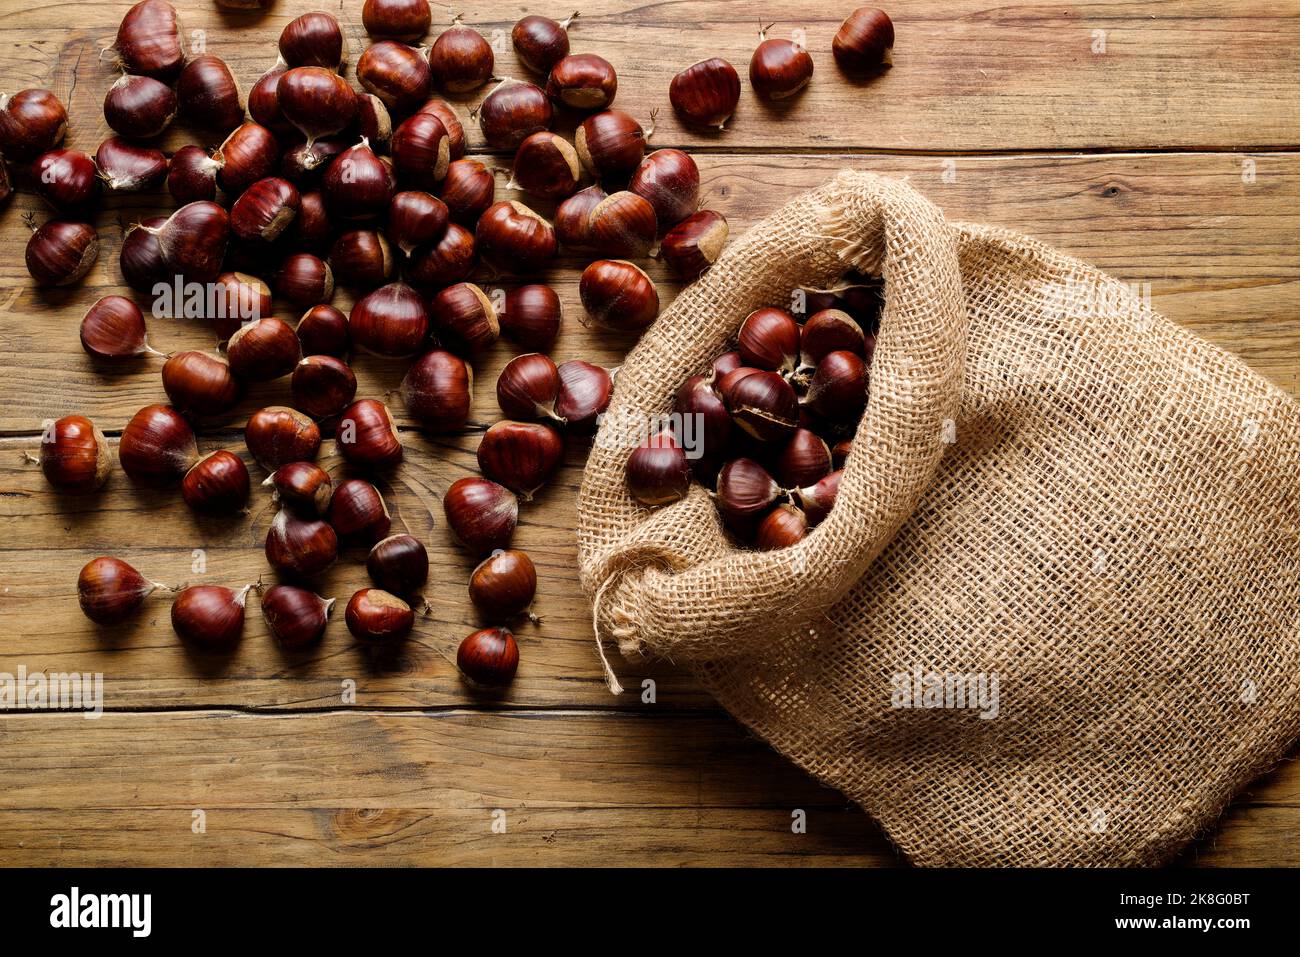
(570, 18)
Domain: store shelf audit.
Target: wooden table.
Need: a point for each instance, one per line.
(1155, 139)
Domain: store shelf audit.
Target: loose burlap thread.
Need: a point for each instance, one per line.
(1051, 484)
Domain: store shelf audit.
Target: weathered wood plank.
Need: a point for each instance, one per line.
(966, 77)
(426, 788)
(1215, 253)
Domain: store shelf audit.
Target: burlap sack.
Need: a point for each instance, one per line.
(1052, 486)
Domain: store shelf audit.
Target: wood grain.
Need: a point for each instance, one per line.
(1169, 159)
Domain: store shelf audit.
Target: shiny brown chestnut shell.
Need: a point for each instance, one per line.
(583, 81)
(216, 484)
(706, 93)
(139, 107)
(74, 455)
(619, 294)
(208, 94)
(391, 321)
(109, 590)
(512, 112)
(503, 585)
(263, 350)
(522, 456)
(461, 59)
(300, 547)
(200, 383)
(438, 390)
(489, 657)
(367, 435)
(514, 237)
(399, 564)
(374, 615)
(297, 617)
(323, 386)
(481, 514)
(361, 258)
(278, 435)
(530, 317)
(157, 446)
(468, 189)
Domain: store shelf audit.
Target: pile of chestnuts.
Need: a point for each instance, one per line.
(768, 427)
(308, 182)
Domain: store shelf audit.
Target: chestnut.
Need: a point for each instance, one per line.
(528, 386)
(546, 165)
(573, 219)
(313, 40)
(610, 144)
(623, 225)
(127, 168)
(503, 585)
(694, 244)
(530, 317)
(367, 436)
(805, 460)
(421, 151)
(61, 252)
(67, 180)
(451, 123)
(619, 294)
(245, 156)
(745, 493)
(481, 514)
(782, 527)
(769, 339)
(838, 390)
(583, 81)
(264, 101)
(374, 121)
(468, 189)
(192, 175)
(415, 218)
(520, 455)
(311, 230)
(512, 112)
(263, 349)
(322, 386)
(277, 435)
(698, 403)
(670, 181)
(706, 93)
(238, 299)
(316, 100)
(489, 657)
(358, 514)
(515, 238)
(139, 107)
(391, 321)
(464, 315)
(361, 258)
(295, 616)
(397, 74)
(113, 329)
(449, 260)
(216, 484)
(658, 472)
(818, 499)
(374, 615)
(193, 240)
(461, 59)
(323, 330)
(211, 616)
(74, 455)
(396, 19)
(864, 42)
(584, 394)
(265, 209)
(109, 590)
(304, 280)
(840, 453)
(208, 94)
(141, 259)
(302, 486)
(149, 41)
(764, 405)
(827, 331)
(300, 547)
(358, 184)
(541, 42)
(32, 122)
(437, 391)
(157, 445)
(779, 68)
(399, 564)
(200, 383)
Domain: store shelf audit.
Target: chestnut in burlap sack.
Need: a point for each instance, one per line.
(1051, 486)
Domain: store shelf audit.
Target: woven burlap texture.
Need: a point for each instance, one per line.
(1051, 484)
